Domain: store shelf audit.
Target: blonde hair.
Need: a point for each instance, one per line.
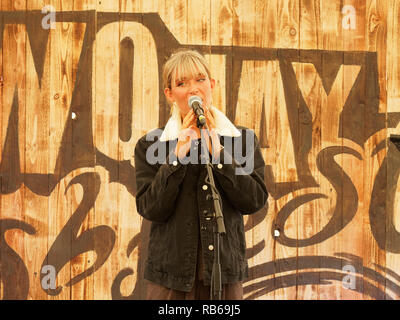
(182, 64)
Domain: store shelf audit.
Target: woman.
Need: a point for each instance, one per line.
(174, 195)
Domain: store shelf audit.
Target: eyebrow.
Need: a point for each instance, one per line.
(185, 78)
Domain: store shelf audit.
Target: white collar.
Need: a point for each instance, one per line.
(223, 125)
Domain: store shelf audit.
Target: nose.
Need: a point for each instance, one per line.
(193, 89)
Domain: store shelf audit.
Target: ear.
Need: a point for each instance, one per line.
(168, 94)
(212, 81)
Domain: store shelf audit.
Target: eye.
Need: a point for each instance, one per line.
(201, 79)
(180, 84)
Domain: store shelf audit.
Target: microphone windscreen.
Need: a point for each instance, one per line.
(194, 99)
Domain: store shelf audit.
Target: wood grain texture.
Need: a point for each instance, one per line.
(37, 148)
(392, 70)
(106, 140)
(393, 101)
(310, 218)
(317, 81)
(174, 13)
(288, 15)
(376, 34)
(331, 106)
(353, 39)
(13, 136)
(84, 289)
(243, 35)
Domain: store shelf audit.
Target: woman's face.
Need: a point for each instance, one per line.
(185, 87)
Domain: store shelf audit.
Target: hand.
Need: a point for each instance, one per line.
(216, 145)
(188, 133)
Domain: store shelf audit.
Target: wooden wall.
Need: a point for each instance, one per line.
(317, 80)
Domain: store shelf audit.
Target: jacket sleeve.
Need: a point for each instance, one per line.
(157, 185)
(243, 181)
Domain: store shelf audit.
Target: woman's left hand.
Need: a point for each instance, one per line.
(213, 145)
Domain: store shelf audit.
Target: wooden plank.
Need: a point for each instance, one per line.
(268, 95)
(132, 6)
(376, 37)
(130, 75)
(84, 289)
(148, 6)
(221, 21)
(331, 104)
(218, 72)
(61, 207)
(198, 17)
(277, 148)
(138, 43)
(245, 115)
(288, 25)
(221, 34)
(37, 149)
(105, 108)
(270, 104)
(243, 30)
(393, 65)
(352, 236)
(311, 90)
(275, 116)
(199, 25)
(393, 101)
(13, 107)
(174, 13)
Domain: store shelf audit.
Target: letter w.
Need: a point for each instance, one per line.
(36, 92)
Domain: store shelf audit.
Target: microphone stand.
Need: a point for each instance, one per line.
(219, 226)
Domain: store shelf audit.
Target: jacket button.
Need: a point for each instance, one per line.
(203, 228)
(205, 187)
(208, 218)
(211, 247)
(175, 163)
(219, 166)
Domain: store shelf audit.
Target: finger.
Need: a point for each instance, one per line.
(194, 132)
(191, 122)
(209, 114)
(188, 120)
(188, 115)
(210, 120)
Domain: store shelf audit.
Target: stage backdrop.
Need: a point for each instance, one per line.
(317, 80)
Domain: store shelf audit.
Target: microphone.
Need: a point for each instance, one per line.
(196, 103)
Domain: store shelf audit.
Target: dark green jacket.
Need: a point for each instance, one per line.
(176, 198)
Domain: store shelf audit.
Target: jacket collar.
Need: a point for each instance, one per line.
(223, 125)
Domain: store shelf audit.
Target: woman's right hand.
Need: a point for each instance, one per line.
(189, 132)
